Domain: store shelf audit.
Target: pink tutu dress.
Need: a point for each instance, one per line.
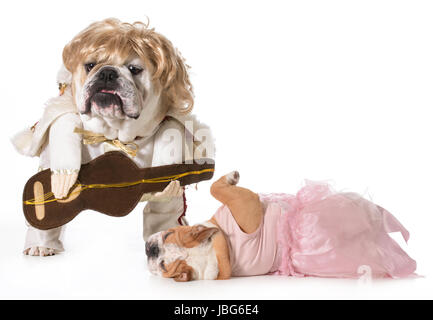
(329, 234)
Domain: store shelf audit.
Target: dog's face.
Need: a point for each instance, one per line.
(126, 77)
(115, 89)
(183, 253)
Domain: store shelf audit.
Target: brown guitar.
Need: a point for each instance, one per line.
(111, 184)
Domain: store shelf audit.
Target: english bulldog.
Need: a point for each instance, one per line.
(130, 85)
(201, 252)
(317, 232)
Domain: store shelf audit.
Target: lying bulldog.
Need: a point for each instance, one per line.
(318, 232)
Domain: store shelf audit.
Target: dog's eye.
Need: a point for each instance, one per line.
(166, 235)
(162, 266)
(134, 70)
(89, 66)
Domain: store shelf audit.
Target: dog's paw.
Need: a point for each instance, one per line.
(61, 183)
(233, 178)
(39, 251)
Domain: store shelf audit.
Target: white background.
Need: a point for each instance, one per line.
(338, 90)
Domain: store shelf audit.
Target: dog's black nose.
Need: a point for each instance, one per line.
(108, 75)
(152, 250)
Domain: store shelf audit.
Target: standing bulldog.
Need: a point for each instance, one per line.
(127, 84)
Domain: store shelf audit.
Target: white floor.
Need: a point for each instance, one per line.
(109, 263)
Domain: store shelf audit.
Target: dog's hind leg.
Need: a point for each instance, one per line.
(243, 203)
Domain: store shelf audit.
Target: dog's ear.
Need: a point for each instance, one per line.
(179, 270)
(171, 72)
(190, 236)
(195, 235)
(202, 233)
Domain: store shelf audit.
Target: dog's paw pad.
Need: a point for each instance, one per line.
(233, 177)
(40, 251)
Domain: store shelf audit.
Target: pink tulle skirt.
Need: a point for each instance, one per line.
(329, 234)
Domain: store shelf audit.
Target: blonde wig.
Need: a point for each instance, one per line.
(110, 41)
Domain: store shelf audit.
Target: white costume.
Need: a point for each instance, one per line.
(54, 141)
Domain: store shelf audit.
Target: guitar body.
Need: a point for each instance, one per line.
(111, 168)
